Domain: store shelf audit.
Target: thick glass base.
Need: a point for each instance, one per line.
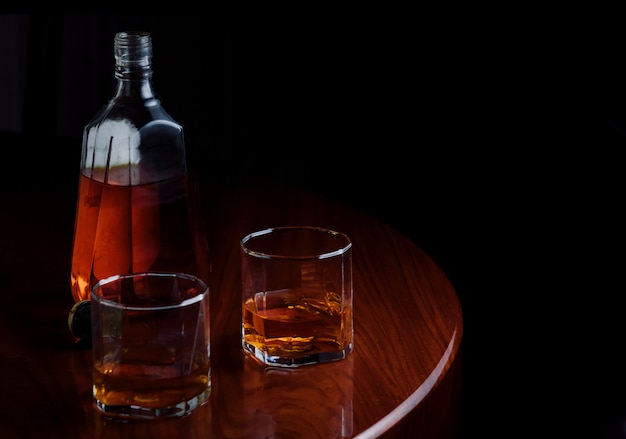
(182, 408)
(292, 360)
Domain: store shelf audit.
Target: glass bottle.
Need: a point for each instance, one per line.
(138, 206)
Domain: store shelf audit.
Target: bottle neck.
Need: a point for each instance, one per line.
(133, 64)
(135, 89)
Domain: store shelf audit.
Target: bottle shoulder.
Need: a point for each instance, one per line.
(135, 114)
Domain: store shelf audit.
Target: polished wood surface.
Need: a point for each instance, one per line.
(402, 379)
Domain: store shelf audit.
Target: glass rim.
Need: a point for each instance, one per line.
(340, 250)
(204, 290)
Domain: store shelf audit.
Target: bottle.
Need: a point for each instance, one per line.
(138, 203)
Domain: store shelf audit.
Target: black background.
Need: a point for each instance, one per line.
(495, 141)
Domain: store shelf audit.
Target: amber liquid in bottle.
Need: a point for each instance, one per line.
(123, 229)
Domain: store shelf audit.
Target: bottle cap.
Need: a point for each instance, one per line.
(79, 320)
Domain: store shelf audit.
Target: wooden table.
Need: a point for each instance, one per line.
(402, 379)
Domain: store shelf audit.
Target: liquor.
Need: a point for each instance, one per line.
(296, 326)
(296, 295)
(151, 344)
(150, 385)
(123, 229)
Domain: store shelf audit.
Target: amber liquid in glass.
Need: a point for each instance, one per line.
(290, 323)
(150, 361)
(122, 229)
(127, 384)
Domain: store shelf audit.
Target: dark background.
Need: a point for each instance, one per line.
(495, 144)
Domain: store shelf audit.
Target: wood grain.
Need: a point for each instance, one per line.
(401, 380)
